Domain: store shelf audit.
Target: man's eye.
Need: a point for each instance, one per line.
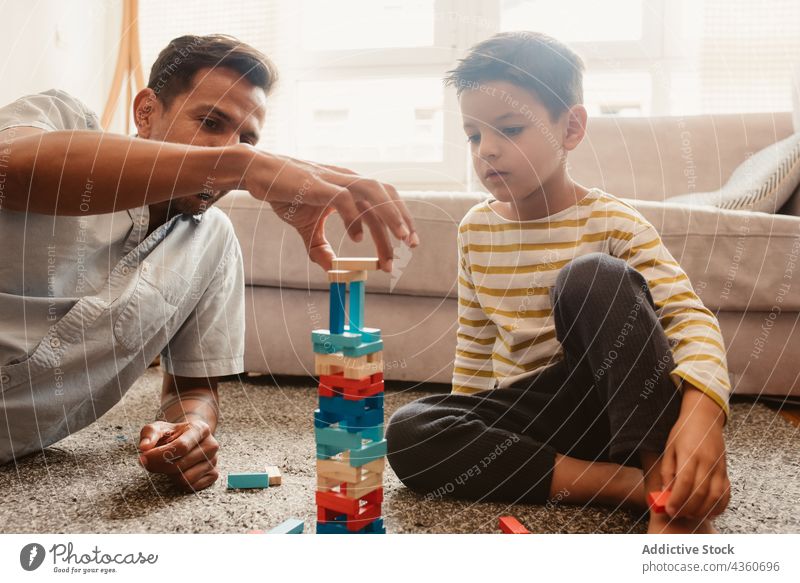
(211, 124)
(514, 131)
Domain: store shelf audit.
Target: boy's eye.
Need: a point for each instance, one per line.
(474, 139)
(513, 131)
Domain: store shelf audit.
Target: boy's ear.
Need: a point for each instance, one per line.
(146, 106)
(575, 128)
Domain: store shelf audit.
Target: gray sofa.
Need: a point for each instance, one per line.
(739, 262)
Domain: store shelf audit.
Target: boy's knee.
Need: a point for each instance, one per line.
(594, 273)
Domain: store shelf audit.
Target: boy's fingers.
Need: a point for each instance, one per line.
(668, 468)
(695, 506)
(681, 488)
(194, 474)
(720, 494)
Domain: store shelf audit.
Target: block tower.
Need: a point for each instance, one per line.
(351, 449)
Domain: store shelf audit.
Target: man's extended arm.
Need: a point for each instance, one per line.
(50, 172)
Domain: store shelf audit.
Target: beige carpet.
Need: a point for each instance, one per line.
(91, 482)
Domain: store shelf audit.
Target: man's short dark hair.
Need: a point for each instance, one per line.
(531, 60)
(177, 64)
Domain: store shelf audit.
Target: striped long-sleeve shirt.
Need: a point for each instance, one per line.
(506, 329)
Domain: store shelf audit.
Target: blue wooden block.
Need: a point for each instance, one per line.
(253, 480)
(356, 305)
(325, 348)
(337, 311)
(289, 526)
(343, 407)
(363, 348)
(325, 419)
(369, 418)
(375, 401)
(339, 527)
(368, 453)
(340, 341)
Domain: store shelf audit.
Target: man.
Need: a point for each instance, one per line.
(112, 252)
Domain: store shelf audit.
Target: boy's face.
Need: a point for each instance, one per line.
(516, 147)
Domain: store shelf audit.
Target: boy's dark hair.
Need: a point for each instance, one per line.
(531, 60)
(177, 64)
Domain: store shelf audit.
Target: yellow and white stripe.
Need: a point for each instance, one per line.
(506, 269)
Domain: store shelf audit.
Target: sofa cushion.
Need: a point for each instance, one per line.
(763, 182)
(735, 260)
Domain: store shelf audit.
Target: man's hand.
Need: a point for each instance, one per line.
(304, 195)
(186, 452)
(693, 464)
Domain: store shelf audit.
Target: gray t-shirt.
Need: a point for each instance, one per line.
(87, 302)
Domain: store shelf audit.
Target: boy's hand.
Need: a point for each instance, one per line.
(693, 464)
(186, 452)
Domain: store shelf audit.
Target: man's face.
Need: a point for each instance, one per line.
(515, 145)
(221, 108)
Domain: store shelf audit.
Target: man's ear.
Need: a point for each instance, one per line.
(146, 107)
(575, 128)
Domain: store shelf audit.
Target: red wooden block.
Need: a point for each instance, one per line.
(366, 515)
(358, 394)
(338, 381)
(341, 504)
(657, 501)
(510, 525)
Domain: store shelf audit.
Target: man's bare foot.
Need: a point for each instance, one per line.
(661, 523)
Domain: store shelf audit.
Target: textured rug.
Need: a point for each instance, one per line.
(92, 482)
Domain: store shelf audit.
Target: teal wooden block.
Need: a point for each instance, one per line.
(337, 303)
(363, 348)
(370, 334)
(325, 349)
(289, 526)
(374, 433)
(325, 338)
(253, 480)
(368, 453)
(325, 452)
(356, 305)
(337, 437)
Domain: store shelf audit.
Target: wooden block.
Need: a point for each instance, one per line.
(342, 471)
(360, 489)
(356, 263)
(368, 349)
(288, 526)
(248, 480)
(274, 474)
(364, 370)
(357, 298)
(510, 525)
(346, 276)
(340, 341)
(368, 453)
(337, 307)
(657, 501)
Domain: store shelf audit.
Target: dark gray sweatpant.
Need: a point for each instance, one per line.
(608, 399)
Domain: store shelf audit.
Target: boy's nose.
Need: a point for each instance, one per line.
(488, 149)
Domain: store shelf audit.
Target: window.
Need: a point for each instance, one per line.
(361, 79)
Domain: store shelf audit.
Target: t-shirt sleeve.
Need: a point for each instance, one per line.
(51, 110)
(693, 330)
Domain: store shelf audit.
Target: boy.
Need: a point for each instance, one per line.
(586, 367)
